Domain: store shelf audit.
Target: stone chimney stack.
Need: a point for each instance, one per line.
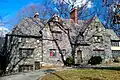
(74, 15)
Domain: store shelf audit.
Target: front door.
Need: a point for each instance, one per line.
(37, 65)
(79, 56)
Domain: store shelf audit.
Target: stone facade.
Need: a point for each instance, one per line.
(99, 42)
(45, 51)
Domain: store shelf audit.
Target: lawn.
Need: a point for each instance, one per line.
(84, 74)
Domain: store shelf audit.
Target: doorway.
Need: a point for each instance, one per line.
(37, 65)
(79, 56)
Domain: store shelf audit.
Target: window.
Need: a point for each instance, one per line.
(99, 53)
(115, 43)
(57, 35)
(97, 39)
(26, 52)
(23, 68)
(64, 51)
(52, 52)
(116, 53)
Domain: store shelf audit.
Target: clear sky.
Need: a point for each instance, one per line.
(12, 6)
(9, 8)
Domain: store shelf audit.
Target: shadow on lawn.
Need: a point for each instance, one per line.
(57, 76)
(52, 71)
(108, 68)
(99, 67)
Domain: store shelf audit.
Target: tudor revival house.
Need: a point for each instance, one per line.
(32, 40)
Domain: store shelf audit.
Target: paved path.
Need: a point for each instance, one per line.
(35, 75)
(26, 76)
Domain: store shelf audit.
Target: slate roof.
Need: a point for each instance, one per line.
(112, 34)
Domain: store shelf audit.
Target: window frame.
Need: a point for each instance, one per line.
(24, 51)
(115, 43)
(53, 54)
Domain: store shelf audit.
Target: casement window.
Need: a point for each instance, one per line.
(23, 68)
(116, 53)
(52, 52)
(26, 52)
(97, 39)
(97, 52)
(115, 43)
(57, 35)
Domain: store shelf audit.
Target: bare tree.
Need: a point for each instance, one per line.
(111, 10)
(75, 34)
(13, 42)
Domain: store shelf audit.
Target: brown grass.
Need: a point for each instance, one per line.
(84, 74)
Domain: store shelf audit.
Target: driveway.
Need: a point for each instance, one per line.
(36, 75)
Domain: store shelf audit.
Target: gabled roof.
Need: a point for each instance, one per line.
(112, 34)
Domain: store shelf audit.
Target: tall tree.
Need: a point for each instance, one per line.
(110, 8)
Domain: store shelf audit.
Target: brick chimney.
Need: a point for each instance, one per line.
(74, 15)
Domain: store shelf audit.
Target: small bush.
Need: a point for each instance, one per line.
(117, 59)
(69, 61)
(95, 60)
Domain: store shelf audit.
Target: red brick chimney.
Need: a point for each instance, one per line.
(74, 15)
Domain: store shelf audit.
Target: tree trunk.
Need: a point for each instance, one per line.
(73, 54)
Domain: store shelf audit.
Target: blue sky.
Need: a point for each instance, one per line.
(9, 8)
(12, 6)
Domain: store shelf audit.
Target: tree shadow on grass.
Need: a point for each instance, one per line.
(52, 71)
(108, 68)
(99, 67)
(57, 76)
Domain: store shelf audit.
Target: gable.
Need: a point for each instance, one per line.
(28, 26)
(112, 34)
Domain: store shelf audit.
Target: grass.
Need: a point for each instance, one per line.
(84, 74)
